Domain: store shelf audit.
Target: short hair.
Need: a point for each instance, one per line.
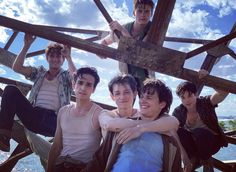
(87, 70)
(137, 3)
(53, 47)
(186, 86)
(150, 86)
(123, 79)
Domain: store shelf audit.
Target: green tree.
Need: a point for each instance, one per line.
(232, 124)
(222, 125)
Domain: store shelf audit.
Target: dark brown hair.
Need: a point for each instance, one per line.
(150, 86)
(136, 3)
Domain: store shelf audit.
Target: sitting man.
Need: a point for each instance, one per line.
(51, 90)
(78, 133)
(141, 147)
(199, 134)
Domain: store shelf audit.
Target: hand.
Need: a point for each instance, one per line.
(114, 25)
(187, 163)
(29, 39)
(202, 73)
(128, 134)
(66, 51)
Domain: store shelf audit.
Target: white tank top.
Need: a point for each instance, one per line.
(48, 97)
(80, 138)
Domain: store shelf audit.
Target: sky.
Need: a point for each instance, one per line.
(202, 19)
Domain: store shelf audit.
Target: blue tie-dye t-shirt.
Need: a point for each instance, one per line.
(143, 154)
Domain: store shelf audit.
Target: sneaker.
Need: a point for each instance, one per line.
(4, 143)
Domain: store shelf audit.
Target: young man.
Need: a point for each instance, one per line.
(200, 134)
(138, 29)
(142, 146)
(51, 90)
(123, 91)
(78, 133)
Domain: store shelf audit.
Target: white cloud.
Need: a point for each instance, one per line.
(41, 57)
(30, 61)
(4, 36)
(226, 66)
(2, 71)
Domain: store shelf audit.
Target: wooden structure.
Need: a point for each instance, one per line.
(150, 55)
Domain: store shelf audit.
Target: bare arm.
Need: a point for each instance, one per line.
(96, 117)
(219, 95)
(18, 64)
(56, 146)
(111, 38)
(114, 25)
(66, 52)
(108, 121)
(163, 126)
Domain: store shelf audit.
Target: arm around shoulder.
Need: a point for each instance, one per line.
(110, 122)
(162, 125)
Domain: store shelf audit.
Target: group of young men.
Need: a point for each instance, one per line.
(89, 138)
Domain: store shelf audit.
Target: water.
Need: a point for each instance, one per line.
(32, 163)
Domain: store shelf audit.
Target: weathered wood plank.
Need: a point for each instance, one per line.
(150, 56)
(53, 35)
(186, 74)
(210, 45)
(9, 42)
(160, 22)
(6, 58)
(19, 153)
(106, 15)
(187, 40)
(76, 30)
(211, 81)
(213, 55)
(221, 166)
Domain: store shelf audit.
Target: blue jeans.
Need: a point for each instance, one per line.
(36, 119)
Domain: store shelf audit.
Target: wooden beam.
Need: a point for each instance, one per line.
(19, 153)
(221, 166)
(212, 44)
(230, 133)
(207, 65)
(160, 22)
(53, 35)
(12, 38)
(150, 56)
(35, 53)
(213, 55)
(114, 53)
(231, 139)
(75, 30)
(39, 52)
(106, 15)
(209, 80)
(187, 40)
(6, 58)
(134, 51)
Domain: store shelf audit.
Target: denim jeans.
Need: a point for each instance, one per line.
(36, 119)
